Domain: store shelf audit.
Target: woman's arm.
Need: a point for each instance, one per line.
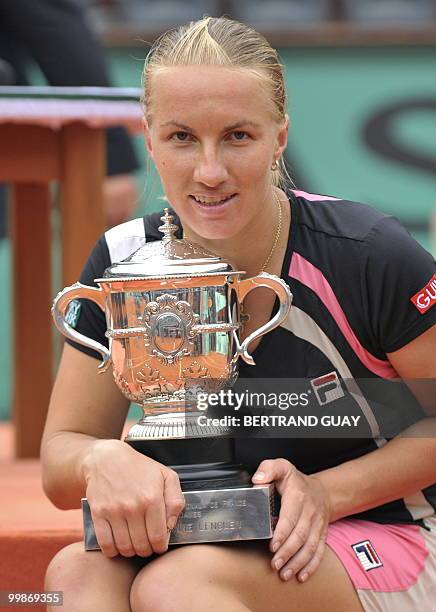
(401, 467)
(405, 464)
(85, 407)
(134, 500)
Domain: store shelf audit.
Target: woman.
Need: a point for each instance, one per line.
(216, 128)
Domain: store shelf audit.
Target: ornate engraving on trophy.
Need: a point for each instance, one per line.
(172, 250)
(124, 386)
(168, 328)
(147, 376)
(152, 384)
(230, 373)
(195, 370)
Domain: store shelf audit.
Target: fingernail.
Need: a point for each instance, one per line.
(304, 577)
(259, 476)
(171, 522)
(287, 574)
(278, 564)
(275, 546)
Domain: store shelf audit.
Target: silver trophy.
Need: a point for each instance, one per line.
(173, 314)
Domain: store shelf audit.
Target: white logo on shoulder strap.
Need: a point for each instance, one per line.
(367, 555)
(73, 313)
(327, 388)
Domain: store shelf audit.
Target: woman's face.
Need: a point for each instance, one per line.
(213, 138)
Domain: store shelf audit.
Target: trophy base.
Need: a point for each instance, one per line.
(186, 450)
(217, 515)
(201, 463)
(221, 504)
(212, 476)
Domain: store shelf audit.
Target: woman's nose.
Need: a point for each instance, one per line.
(210, 170)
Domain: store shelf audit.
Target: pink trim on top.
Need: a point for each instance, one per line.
(305, 272)
(313, 197)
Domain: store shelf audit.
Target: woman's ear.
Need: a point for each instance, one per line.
(147, 136)
(282, 137)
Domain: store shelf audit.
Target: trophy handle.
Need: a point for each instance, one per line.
(243, 287)
(58, 311)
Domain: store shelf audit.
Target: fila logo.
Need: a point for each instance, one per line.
(327, 388)
(367, 556)
(426, 297)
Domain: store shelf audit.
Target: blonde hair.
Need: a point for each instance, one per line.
(221, 42)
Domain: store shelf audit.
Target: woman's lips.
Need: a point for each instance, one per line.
(212, 204)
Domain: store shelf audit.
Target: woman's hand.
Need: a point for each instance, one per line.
(134, 500)
(299, 537)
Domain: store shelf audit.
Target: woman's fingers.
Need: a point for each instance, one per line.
(281, 472)
(305, 562)
(138, 534)
(285, 526)
(299, 550)
(121, 529)
(291, 545)
(290, 513)
(104, 536)
(173, 496)
(113, 535)
(313, 564)
(132, 516)
(162, 506)
(270, 470)
(302, 520)
(157, 531)
(121, 537)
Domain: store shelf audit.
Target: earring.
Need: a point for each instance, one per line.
(275, 166)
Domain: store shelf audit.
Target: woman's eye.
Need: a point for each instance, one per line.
(239, 135)
(181, 136)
